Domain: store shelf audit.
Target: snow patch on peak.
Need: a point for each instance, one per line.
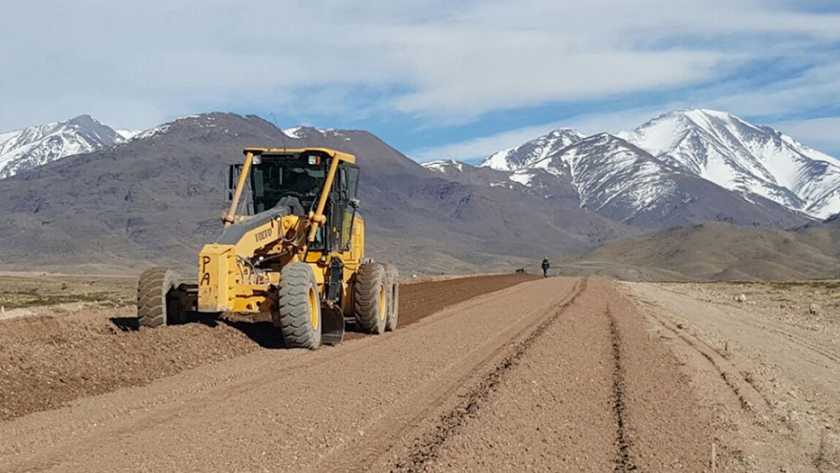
(522, 177)
(127, 135)
(444, 165)
(158, 130)
(498, 160)
(293, 132)
(744, 158)
(302, 131)
(570, 133)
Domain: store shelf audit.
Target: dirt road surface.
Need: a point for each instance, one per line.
(552, 373)
(56, 355)
(488, 374)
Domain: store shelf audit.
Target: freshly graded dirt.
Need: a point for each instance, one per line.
(588, 391)
(48, 360)
(285, 410)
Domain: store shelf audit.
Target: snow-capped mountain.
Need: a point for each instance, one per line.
(653, 167)
(608, 171)
(532, 151)
(34, 146)
(750, 159)
(603, 173)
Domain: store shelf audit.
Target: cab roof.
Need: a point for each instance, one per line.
(329, 152)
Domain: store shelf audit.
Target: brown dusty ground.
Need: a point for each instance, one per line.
(767, 371)
(48, 360)
(558, 374)
(551, 374)
(586, 391)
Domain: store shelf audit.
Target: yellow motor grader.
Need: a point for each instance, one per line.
(294, 247)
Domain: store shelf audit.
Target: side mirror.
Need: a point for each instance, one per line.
(354, 203)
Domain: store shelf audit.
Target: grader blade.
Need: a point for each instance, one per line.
(332, 328)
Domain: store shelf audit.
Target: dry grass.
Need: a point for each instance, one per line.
(32, 290)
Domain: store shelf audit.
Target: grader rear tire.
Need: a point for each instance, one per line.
(393, 283)
(298, 312)
(158, 301)
(371, 298)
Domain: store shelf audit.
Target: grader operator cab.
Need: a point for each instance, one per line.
(293, 247)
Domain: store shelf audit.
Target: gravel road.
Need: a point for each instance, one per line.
(557, 374)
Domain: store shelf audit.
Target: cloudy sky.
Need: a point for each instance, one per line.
(436, 79)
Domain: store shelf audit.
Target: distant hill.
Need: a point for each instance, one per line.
(717, 251)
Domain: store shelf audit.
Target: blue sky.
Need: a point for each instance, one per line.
(436, 79)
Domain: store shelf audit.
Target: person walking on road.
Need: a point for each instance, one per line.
(545, 267)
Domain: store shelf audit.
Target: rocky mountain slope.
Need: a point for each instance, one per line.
(684, 166)
(35, 146)
(157, 198)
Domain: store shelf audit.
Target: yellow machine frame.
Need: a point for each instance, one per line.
(226, 280)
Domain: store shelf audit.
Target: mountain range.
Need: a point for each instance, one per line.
(155, 199)
(685, 165)
(31, 147)
(127, 200)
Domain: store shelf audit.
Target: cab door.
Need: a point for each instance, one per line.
(343, 208)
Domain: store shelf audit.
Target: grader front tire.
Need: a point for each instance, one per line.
(158, 303)
(298, 312)
(371, 298)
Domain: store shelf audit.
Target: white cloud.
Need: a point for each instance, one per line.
(811, 89)
(481, 147)
(822, 134)
(135, 63)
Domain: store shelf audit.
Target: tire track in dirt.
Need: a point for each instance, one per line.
(663, 426)
(589, 391)
(738, 384)
(830, 352)
(773, 397)
(804, 343)
(624, 461)
(427, 449)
